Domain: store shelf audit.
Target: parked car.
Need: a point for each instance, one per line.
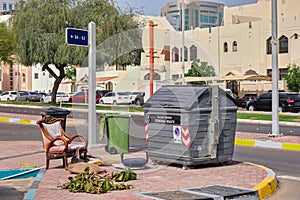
(8, 96)
(60, 96)
(102, 92)
(83, 97)
(246, 98)
(137, 98)
(29, 96)
(116, 98)
(288, 102)
(70, 95)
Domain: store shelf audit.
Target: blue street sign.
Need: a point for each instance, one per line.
(77, 37)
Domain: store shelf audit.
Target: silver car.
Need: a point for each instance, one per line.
(29, 96)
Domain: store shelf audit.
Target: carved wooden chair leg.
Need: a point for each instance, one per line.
(65, 161)
(47, 162)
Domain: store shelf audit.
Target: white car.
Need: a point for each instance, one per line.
(60, 96)
(9, 96)
(116, 98)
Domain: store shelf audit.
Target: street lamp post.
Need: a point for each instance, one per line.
(275, 95)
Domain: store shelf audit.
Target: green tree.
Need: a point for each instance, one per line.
(293, 78)
(7, 44)
(200, 69)
(40, 26)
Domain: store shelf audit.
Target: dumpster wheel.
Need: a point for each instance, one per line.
(226, 163)
(112, 150)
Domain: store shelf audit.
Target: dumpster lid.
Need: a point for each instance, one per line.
(54, 108)
(177, 96)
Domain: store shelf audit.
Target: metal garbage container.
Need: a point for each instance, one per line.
(57, 113)
(116, 128)
(190, 125)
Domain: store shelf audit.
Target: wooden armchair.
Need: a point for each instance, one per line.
(58, 144)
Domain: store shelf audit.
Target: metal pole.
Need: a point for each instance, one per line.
(182, 29)
(275, 95)
(92, 85)
(151, 56)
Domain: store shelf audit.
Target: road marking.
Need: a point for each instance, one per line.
(294, 178)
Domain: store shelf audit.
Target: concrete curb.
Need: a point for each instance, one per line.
(16, 120)
(267, 144)
(297, 124)
(267, 186)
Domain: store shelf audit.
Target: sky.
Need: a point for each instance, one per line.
(152, 7)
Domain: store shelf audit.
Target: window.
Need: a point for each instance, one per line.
(212, 19)
(4, 6)
(225, 47)
(197, 18)
(173, 6)
(283, 44)
(23, 77)
(156, 76)
(234, 46)
(265, 96)
(269, 45)
(36, 75)
(208, 6)
(282, 73)
(187, 19)
(193, 53)
(220, 19)
(10, 7)
(269, 72)
(175, 77)
(175, 54)
(185, 54)
(203, 18)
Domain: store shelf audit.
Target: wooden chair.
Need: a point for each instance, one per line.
(58, 144)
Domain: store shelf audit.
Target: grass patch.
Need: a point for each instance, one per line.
(267, 117)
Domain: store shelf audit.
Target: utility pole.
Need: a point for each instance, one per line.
(182, 29)
(275, 95)
(151, 52)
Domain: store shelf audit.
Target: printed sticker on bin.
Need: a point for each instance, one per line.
(177, 134)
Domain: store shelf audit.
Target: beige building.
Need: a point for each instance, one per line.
(240, 48)
(240, 51)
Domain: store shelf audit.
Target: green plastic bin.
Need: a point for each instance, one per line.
(117, 131)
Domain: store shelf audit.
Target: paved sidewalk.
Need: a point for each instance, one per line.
(154, 178)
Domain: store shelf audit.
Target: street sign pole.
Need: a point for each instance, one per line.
(92, 85)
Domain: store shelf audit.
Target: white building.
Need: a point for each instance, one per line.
(7, 6)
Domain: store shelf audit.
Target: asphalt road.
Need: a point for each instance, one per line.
(137, 122)
(284, 163)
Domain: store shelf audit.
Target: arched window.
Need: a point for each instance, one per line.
(175, 54)
(283, 44)
(269, 45)
(234, 46)
(156, 76)
(109, 86)
(193, 53)
(185, 54)
(225, 47)
(23, 77)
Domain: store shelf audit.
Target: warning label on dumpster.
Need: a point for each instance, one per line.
(164, 119)
(177, 134)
